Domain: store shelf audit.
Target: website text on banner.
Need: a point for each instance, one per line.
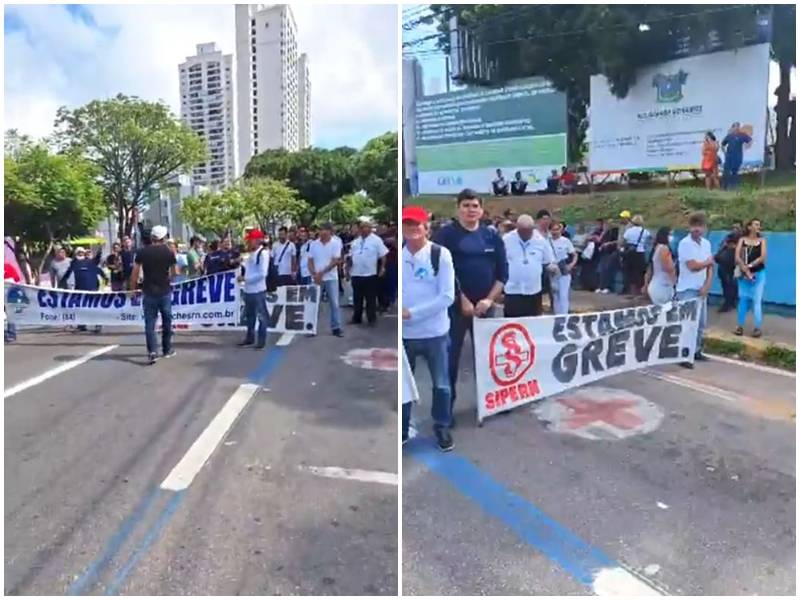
(518, 361)
(211, 300)
(660, 124)
(462, 137)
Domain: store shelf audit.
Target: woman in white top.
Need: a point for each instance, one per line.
(566, 257)
(660, 278)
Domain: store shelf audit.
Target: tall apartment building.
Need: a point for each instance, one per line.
(206, 83)
(304, 102)
(267, 83)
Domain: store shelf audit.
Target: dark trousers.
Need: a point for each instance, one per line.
(153, 306)
(255, 306)
(285, 280)
(609, 267)
(459, 326)
(546, 289)
(519, 305)
(730, 175)
(365, 289)
(730, 291)
(388, 288)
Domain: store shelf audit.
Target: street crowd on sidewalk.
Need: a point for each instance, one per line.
(355, 265)
(461, 269)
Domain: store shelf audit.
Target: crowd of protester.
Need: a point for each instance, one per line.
(356, 263)
(459, 269)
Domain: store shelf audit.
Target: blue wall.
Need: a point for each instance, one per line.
(781, 264)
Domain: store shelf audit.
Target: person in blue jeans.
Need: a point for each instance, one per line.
(733, 145)
(695, 274)
(324, 258)
(428, 292)
(256, 269)
(751, 258)
(158, 264)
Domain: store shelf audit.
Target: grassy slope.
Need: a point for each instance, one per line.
(774, 204)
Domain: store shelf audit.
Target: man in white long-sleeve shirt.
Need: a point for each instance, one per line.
(256, 269)
(428, 292)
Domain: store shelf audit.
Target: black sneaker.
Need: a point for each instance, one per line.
(687, 365)
(700, 357)
(260, 345)
(152, 358)
(245, 343)
(170, 354)
(444, 440)
(338, 333)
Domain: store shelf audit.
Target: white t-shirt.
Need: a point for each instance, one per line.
(324, 254)
(283, 259)
(365, 252)
(426, 295)
(631, 237)
(304, 272)
(526, 260)
(688, 250)
(562, 247)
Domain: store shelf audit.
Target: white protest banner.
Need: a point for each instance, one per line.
(518, 361)
(210, 300)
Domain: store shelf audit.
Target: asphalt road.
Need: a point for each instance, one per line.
(703, 504)
(87, 451)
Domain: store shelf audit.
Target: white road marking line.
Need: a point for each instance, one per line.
(354, 474)
(617, 581)
(285, 339)
(696, 386)
(757, 367)
(16, 389)
(189, 466)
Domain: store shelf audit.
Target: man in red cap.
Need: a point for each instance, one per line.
(256, 269)
(428, 292)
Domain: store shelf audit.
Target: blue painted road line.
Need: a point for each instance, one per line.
(575, 556)
(152, 535)
(113, 546)
(259, 375)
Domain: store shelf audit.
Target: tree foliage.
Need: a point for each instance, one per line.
(319, 176)
(375, 169)
(216, 214)
(133, 143)
(348, 209)
(567, 43)
(48, 196)
(271, 203)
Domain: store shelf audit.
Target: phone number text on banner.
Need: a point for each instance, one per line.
(518, 361)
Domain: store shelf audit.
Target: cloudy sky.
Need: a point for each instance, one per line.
(70, 54)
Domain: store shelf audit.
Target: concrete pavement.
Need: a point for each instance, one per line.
(87, 452)
(704, 504)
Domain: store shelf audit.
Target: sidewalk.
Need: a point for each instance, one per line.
(778, 331)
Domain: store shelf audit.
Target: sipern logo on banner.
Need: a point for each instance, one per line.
(512, 354)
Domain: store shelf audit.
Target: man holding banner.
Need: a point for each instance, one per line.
(256, 269)
(158, 264)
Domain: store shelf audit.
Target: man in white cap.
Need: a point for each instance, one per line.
(157, 262)
(366, 265)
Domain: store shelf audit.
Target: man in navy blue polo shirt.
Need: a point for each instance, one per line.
(479, 259)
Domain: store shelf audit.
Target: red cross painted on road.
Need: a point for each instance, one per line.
(613, 412)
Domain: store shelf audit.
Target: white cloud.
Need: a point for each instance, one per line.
(59, 60)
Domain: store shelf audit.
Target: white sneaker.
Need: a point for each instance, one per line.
(606, 291)
(598, 291)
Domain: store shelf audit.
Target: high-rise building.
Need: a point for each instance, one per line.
(206, 83)
(304, 102)
(413, 89)
(267, 83)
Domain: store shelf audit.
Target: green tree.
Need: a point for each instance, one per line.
(348, 209)
(319, 176)
(133, 143)
(49, 197)
(270, 202)
(375, 169)
(216, 213)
